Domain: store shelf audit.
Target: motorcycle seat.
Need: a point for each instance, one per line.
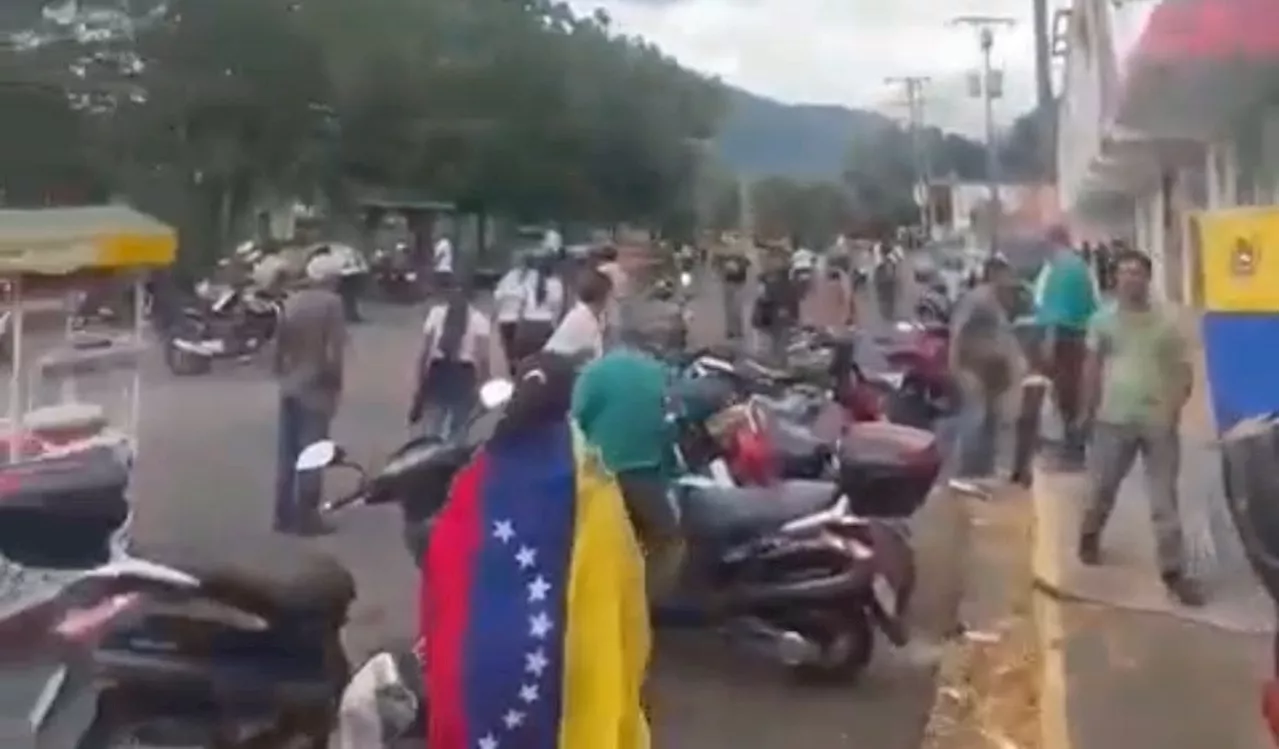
(270, 575)
(730, 512)
(792, 438)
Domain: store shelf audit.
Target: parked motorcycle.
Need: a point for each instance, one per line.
(238, 323)
(918, 353)
(394, 277)
(238, 651)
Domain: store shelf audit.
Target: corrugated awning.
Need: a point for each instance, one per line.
(1209, 30)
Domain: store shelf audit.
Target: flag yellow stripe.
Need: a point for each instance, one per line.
(607, 636)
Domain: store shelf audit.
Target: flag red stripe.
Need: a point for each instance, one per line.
(447, 569)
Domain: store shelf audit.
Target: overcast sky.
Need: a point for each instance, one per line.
(840, 51)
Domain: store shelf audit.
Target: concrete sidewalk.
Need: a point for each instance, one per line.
(1124, 665)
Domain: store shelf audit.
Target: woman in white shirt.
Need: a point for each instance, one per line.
(580, 335)
(541, 305)
(455, 360)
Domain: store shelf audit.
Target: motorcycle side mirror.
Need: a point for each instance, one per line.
(318, 455)
(496, 392)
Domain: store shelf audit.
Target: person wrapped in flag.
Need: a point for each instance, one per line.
(535, 628)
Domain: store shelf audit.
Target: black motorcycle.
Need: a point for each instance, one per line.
(238, 650)
(236, 325)
(786, 571)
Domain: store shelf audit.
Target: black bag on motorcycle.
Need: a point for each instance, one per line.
(1249, 477)
(886, 469)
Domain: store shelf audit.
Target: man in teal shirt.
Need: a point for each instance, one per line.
(620, 404)
(1066, 299)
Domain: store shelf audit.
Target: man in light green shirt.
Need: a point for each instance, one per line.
(1136, 381)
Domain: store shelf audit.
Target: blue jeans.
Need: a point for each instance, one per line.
(297, 496)
(976, 433)
(451, 394)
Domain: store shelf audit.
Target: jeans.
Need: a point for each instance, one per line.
(297, 495)
(733, 310)
(977, 428)
(451, 395)
(1112, 453)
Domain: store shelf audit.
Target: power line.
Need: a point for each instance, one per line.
(986, 27)
(914, 86)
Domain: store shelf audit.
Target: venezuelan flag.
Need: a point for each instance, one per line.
(534, 620)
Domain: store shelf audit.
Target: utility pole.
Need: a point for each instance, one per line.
(914, 86)
(1044, 79)
(986, 26)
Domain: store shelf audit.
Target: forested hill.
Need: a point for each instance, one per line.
(763, 136)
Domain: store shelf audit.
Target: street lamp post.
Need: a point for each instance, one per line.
(986, 26)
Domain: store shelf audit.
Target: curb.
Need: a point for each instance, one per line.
(1047, 615)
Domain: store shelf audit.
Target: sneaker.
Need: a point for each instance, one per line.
(1184, 590)
(1089, 550)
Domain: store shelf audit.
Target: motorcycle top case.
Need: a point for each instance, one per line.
(61, 512)
(886, 469)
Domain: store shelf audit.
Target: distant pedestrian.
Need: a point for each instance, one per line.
(1137, 381)
(580, 335)
(454, 361)
(442, 264)
(310, 345)
(885, 278)
(777, 309)
(734, 270)
(508, 300)
(542, 302)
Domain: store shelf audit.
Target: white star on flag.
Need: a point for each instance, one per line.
(539, 625)
(513, 719)
(504, 531)
(536, 662)
(488, 741)
(526, 557)
(538, 589)
(529, 693)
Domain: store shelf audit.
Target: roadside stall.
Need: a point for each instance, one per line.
(73, 386)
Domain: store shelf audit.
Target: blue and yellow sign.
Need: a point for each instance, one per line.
(1240, 279)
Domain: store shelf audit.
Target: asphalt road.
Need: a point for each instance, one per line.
(205, 476)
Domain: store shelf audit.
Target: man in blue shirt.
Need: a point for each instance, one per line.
(1066, 300)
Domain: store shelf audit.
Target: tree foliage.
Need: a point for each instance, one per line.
(520, 106)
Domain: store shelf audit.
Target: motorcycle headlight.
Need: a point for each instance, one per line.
(411, 276)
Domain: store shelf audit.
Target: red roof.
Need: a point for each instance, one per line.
(1189, 30)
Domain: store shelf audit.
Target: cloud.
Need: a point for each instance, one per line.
(839, 51)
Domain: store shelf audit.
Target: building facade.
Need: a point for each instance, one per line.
(1168, 108)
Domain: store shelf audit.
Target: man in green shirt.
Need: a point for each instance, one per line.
(1136, 381)
(620, 404)
(1066, 298)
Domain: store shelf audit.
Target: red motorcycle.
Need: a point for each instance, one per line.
(918, 353)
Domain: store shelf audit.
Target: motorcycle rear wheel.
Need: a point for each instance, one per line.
(846, 653)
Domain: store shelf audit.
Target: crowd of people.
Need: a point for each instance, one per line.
(1119, 372)
(580, 350)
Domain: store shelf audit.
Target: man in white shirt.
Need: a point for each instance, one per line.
(442, 263)
(580, 335)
